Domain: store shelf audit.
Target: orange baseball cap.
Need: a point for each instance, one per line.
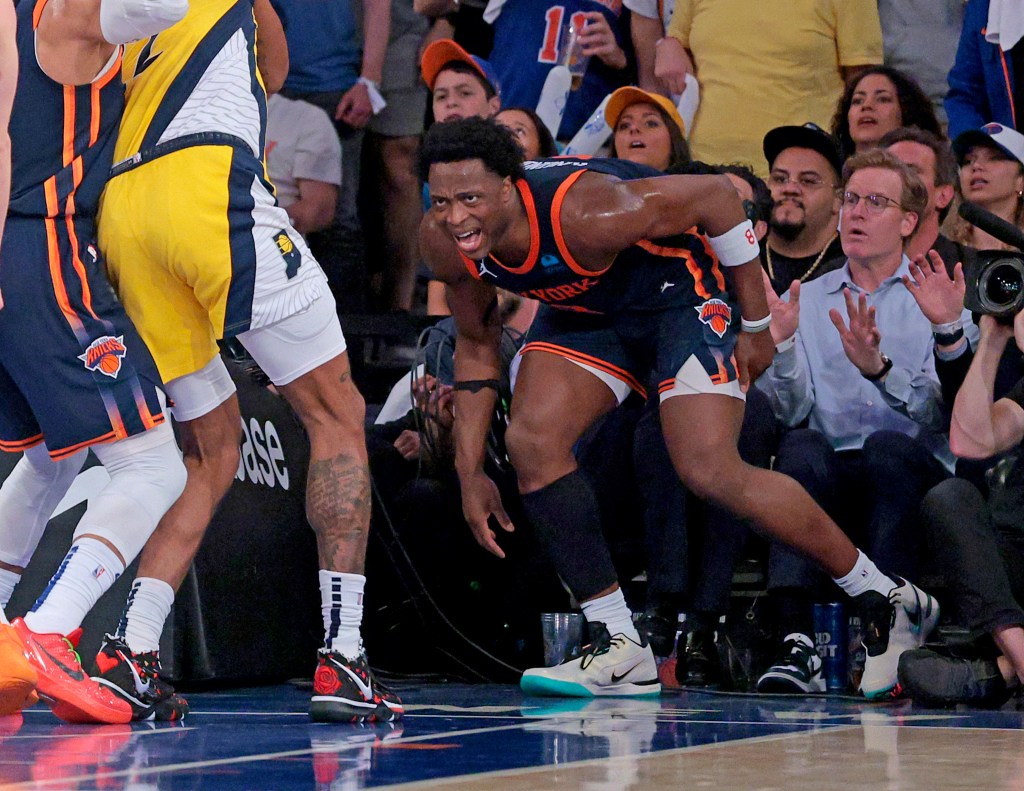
(444, 51)
(629, 95)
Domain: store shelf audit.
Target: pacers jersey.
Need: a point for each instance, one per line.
(650, 275)
(197, 76)
(61, 173)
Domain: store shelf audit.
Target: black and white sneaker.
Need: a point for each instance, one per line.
(345, 690)
(798, 671)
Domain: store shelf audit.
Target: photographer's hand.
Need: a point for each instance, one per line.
(939, 296)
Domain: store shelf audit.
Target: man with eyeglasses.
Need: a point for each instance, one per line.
(803, 240)
(854, 360)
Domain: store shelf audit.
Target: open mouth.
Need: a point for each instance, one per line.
(468, 241)
(637, 144)
(977, 183)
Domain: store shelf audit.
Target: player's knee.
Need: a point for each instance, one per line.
(56, 474)
(713, 475)
(336, 415)
(146, 477)
(530, 450)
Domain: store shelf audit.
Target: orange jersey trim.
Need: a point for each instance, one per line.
(593, 362)
(63, 453)
(21, 444)
(685, 255)
(534, 251)
(556, 227)
(1009, 88)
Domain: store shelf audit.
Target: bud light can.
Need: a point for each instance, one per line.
(830, 631)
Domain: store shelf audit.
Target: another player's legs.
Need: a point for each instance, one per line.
(305, 357)
(146, 476)
(27, 499)
(209, 432)
(701, 431)
(555, 402)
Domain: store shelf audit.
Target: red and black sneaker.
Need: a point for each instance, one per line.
(344, 690)
(135, 679)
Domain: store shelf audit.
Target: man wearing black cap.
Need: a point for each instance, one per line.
(803, 240)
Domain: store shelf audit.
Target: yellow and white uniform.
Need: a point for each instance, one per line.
(196, 245)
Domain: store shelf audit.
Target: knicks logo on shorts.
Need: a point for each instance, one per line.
(104, 355)
(716, 314)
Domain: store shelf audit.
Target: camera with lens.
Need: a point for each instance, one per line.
(994, 278)
(995, 284)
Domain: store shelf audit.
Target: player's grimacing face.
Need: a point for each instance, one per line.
(468, 200)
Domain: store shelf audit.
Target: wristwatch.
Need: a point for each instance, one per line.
(886, 367)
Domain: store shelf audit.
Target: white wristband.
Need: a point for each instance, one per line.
(377, 102)
(736, 246)
(948, 328)
(756, 326)
(786, 345)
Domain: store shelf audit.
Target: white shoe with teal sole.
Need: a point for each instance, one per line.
(610, 665)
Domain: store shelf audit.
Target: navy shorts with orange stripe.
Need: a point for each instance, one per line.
(73, 370)
(641, 347)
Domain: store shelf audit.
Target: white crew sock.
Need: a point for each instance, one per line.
(8, 582)
(85, 574)
(149, 603)
(341, 599)
(611, 610)
(864, 577)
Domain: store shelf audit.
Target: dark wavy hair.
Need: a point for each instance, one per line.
(544, 138)
(916, 108)
(679, 149)
(472, 138)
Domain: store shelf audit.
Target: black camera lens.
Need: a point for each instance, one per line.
(1001, 286)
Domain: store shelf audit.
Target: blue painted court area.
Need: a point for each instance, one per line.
(262, 739)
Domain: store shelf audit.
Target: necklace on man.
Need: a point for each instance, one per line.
(810, 271)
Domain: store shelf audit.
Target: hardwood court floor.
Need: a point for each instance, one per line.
(490, 738)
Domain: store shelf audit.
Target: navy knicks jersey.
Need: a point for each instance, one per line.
(60, 173)
(650, 275)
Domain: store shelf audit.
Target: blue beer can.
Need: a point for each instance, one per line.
(831, 635)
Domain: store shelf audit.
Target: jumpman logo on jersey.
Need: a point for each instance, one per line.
(145, 59)
(484, 270)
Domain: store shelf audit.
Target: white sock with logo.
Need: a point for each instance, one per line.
(611, 610)
(8, 582)
(85, 574)
(149, 603)
(864, 577)
(341, 599)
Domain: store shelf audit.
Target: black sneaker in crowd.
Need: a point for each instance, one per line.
(698, 663)
(135, 678)
(345, 690)
(657, 626)
(798, 670)
(947, 676)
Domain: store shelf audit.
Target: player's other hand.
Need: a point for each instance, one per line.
(754, 353)
(481, 500)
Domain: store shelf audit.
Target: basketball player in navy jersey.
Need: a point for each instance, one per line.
(612, 250)
(74, 373)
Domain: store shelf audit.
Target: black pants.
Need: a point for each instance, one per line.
(692, 546)
(873, 494)
(979, 548)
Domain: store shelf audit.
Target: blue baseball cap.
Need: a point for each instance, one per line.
(445, 51)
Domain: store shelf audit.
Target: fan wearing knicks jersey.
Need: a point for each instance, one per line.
(199, 250)
(74, 373)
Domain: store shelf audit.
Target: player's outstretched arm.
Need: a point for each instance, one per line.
(474, 307)
(8, 82)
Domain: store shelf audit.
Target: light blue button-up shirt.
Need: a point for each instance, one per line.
(815, 380)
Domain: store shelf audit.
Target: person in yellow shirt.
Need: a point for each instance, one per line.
(778, 63)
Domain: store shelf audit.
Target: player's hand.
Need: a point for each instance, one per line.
(754, 353)
(481, 500)
(355, 108)
(940, 297)
(408, 444)
(672, 64)
(597, 39)
(862, 338)
(785, 315)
